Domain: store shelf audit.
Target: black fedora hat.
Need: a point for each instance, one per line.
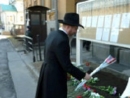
(71, 19)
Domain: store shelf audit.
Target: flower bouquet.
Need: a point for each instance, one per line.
(108, 61)
(90, 89)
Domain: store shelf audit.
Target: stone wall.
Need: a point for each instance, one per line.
(124, 57)
(101, 51)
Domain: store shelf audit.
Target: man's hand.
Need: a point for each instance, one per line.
(87, 76)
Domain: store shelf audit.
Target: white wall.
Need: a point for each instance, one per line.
(8, 19)
(19, 6)
(50, 25)
(20, 11)
(20, 18)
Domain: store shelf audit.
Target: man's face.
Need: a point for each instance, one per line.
(72, 30)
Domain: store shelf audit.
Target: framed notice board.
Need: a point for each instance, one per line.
(105, 21)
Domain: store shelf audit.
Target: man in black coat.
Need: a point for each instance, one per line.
(52, 81)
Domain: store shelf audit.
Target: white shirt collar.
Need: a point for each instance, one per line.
(63, 30)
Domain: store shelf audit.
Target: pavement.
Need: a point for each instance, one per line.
(7, 89)
(23, 80)
(24, 69)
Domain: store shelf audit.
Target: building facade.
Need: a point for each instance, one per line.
(8, 15)
(122, 54)
(63, 6)
(18, 4)
(12, 15)
(18, 26)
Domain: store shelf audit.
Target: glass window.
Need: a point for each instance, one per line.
(35, 19)
(43, 19)
(21, 18)
(10, 18)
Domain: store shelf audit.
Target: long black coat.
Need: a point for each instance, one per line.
(53, 76)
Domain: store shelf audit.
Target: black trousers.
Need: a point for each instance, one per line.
(86, 44)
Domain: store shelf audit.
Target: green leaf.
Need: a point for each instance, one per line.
(87, 93)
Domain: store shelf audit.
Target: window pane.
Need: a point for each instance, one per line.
(35, 19)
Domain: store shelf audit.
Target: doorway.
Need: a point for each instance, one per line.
(37, 23)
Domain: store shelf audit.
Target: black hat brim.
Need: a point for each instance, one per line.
(64, 22)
